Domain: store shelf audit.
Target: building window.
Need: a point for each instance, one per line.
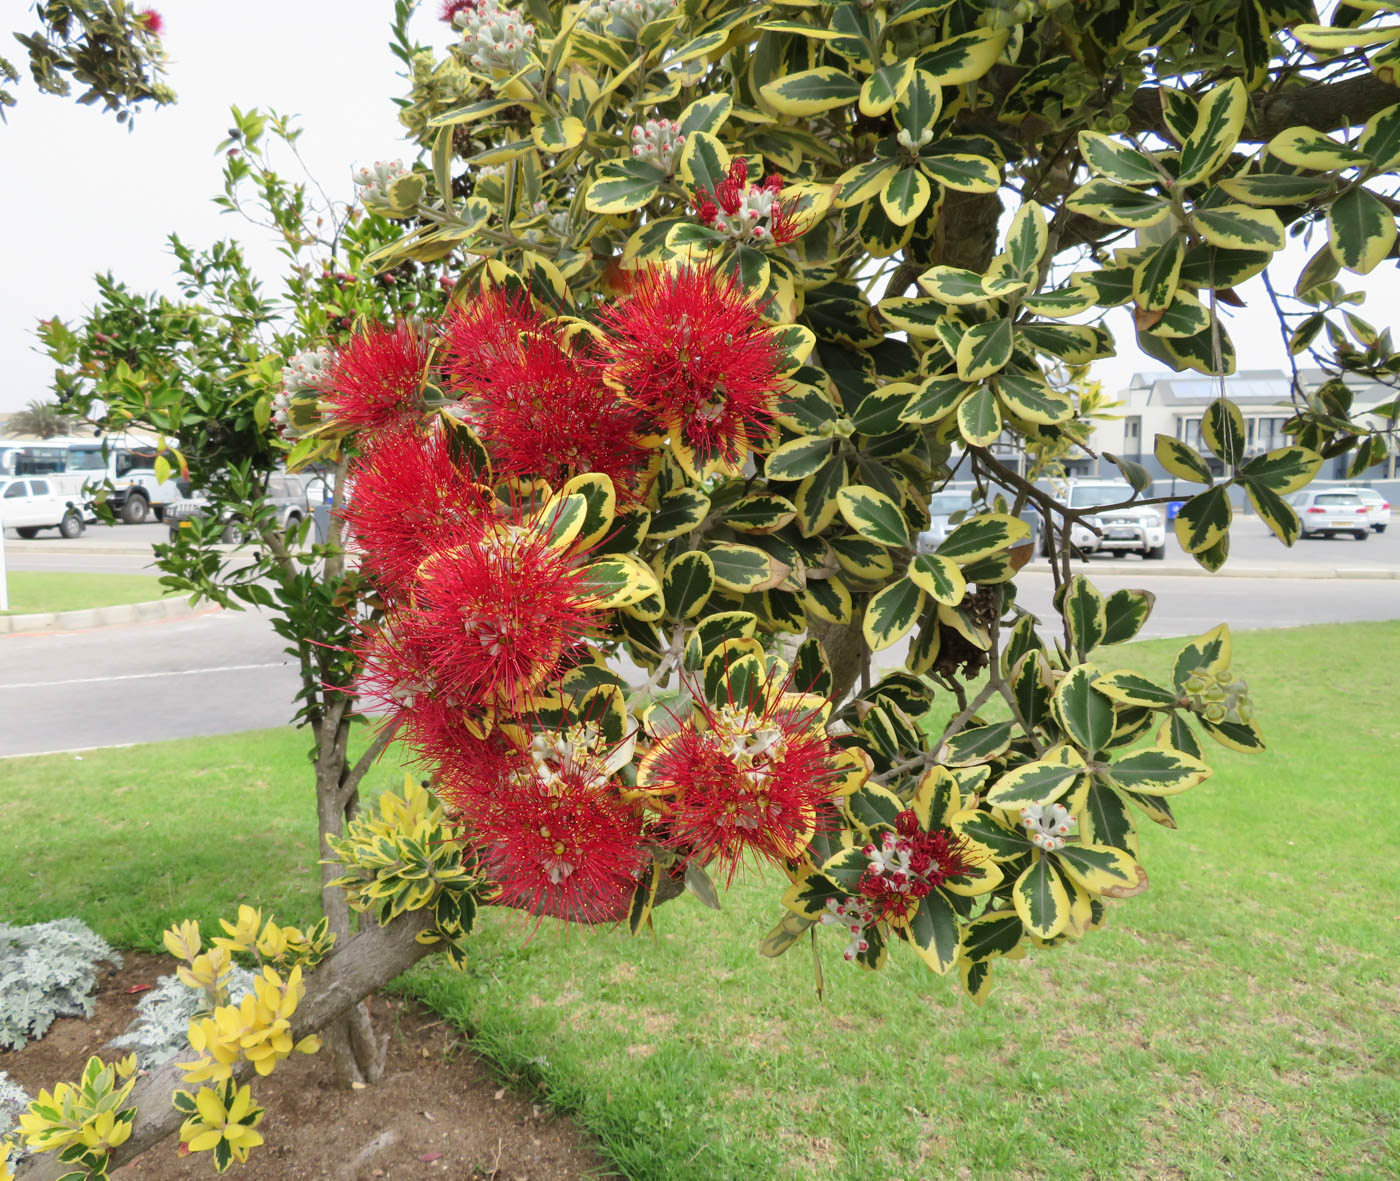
(1132, 435)
(1266, 434)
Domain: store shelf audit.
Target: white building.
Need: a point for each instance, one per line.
(1173, 403)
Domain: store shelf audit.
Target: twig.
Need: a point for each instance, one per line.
(929, 758)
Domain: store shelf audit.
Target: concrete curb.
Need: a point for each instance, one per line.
(1142, 569)
(171, 608)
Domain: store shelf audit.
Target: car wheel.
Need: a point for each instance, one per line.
(28, 531)
(158, 511)
(232, 533)
(134, 510)
(1119, 553)
(71, 526)
(1157, 553)
(1361, 534)
(1380, 528)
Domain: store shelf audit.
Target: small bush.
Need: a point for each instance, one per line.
(46, 971)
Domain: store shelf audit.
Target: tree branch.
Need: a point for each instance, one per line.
(1323, 106)
(351, 782)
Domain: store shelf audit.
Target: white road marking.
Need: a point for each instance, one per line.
(70, 750)
(180, 672)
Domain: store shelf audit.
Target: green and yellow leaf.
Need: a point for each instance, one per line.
(891, 613)
(874, 515)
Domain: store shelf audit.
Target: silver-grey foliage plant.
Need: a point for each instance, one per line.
(47, 970)
(161, 1028)
(13, 1100)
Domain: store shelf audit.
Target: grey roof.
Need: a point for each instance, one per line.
(1259, 387)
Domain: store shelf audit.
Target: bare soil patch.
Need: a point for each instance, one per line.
(438, 1112)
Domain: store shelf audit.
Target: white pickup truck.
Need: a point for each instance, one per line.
(31, 503)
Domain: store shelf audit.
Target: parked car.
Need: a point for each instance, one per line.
(287, 494)
(36, 502)
(1132, 529)
(1325, 512)
(1377, 508)
(954, 499)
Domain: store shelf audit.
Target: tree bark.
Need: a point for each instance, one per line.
(362, 965)
(356, 1052)
(966, 236)
(1323, 106)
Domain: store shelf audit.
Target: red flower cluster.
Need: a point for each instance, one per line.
(150, 21)
(375, 382)
(744, 211)
(494, 611)
(486, 603)
(690, 350)
(552, 834)
(541, 408)
(907, 864)
(408, 495)
(743, 781)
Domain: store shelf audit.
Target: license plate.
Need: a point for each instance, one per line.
(1121, 533)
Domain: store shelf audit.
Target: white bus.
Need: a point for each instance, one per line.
(83, 466)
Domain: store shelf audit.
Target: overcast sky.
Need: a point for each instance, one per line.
(82, 195)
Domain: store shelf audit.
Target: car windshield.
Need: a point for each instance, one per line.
(949, 502)
(1338, 498)
(1089, 495)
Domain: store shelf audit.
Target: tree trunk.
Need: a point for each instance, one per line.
(965, 236)
(356, 1052)
(364, 964)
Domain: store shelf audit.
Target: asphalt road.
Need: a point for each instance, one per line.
(125, 549)
(215, 673)
(225, 671)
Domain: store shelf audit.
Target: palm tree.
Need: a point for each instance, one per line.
(44, 419)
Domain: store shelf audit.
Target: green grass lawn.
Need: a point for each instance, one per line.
(32, 592)
(133, 839)
(1239, 1019)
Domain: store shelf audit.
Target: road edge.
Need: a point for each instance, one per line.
(1300, 573)
(170, 608)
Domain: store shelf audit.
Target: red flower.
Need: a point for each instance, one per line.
(484, 336)
(746, 212)
(451, 8)
(908, 863)
(541, 409)
(375, 382)
(407, 495)
(394, 678)
(689, 349)
(745, 781)
(494, 612)
(150, 21)
(560, 844)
